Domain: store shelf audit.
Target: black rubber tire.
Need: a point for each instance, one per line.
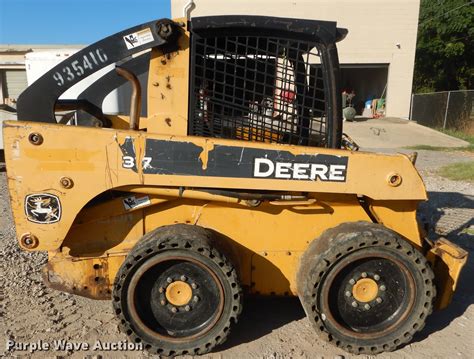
(351, 239)
(200, 245)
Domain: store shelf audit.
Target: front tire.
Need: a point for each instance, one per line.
(364, 288)
(176, 293)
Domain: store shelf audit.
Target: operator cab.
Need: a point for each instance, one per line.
(252, 78)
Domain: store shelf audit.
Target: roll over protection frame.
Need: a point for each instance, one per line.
(37, 103)
(225, 36)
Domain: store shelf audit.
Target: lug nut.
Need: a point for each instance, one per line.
(376, 277)
(354, 304)
(163, 302)
(169, 280)
(183, 278)
(187, 308)
(378, 300)
(195, 298)
(161, 290)
(382, 288)
(367, 307)
(174, 310)
(348, 294)
(194, 286)
(352, 281)
(363, 274)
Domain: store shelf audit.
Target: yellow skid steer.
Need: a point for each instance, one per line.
(232, 178)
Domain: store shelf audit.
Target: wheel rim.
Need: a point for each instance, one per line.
(178, 293)
(175, 298)
(369, 294)
(365, 290)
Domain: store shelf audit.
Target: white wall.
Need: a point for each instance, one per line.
(375, 29)
(5, 116)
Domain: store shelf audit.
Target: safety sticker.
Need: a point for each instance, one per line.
(134, 202)
(138, 38)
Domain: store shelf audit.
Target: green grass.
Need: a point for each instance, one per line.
(469, 148)
(458, 134)
(462, 171)
(461, 135)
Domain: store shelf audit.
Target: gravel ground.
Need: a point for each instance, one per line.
(269, 328)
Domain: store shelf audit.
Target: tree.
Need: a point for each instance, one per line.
(444, 52)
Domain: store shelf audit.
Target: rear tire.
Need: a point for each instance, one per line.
(364, 288)
(176, 293)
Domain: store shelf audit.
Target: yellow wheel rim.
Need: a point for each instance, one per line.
(365, 290)
(179, 293)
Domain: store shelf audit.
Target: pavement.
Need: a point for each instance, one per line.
(394, 132)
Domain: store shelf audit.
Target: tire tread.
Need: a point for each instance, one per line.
(180, 236)
(347, 238)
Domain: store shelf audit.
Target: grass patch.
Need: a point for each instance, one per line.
(469, 148)
(458, 134)
(469, 231)
(462, 171)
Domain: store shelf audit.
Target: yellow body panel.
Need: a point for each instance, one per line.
(168, 78)
(267, 240)
(399, 216)
(94, 165)
(447, 260)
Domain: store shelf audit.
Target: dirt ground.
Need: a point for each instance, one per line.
(268, 328)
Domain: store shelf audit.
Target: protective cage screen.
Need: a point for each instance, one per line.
(257, 89)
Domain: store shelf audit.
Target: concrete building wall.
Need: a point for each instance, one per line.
(12, 68)
(380, 32)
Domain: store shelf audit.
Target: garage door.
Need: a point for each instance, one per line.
(368, 81)
(15, 83)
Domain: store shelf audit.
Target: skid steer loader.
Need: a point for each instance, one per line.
(237, 180)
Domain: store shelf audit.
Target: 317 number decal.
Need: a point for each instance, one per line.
(77, 68)
(129, 162)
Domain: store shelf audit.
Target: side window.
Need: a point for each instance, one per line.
(257, 89)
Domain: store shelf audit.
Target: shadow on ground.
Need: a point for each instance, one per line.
(262, 315)
(434, 209)
(2, 161)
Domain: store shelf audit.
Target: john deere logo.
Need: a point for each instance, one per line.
(43, 208)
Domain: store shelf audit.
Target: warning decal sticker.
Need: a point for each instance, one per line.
(138, 38)
(134, 202)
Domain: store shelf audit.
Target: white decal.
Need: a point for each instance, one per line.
(319, 171)
(129, 162)
(134, 202)
(300, 171)
(146, 162)
(264, 168)
(336, 173)
(282, 170)
(89, 61)
(138, 38)
(258, 172)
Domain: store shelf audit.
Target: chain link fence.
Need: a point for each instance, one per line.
(449, 110)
